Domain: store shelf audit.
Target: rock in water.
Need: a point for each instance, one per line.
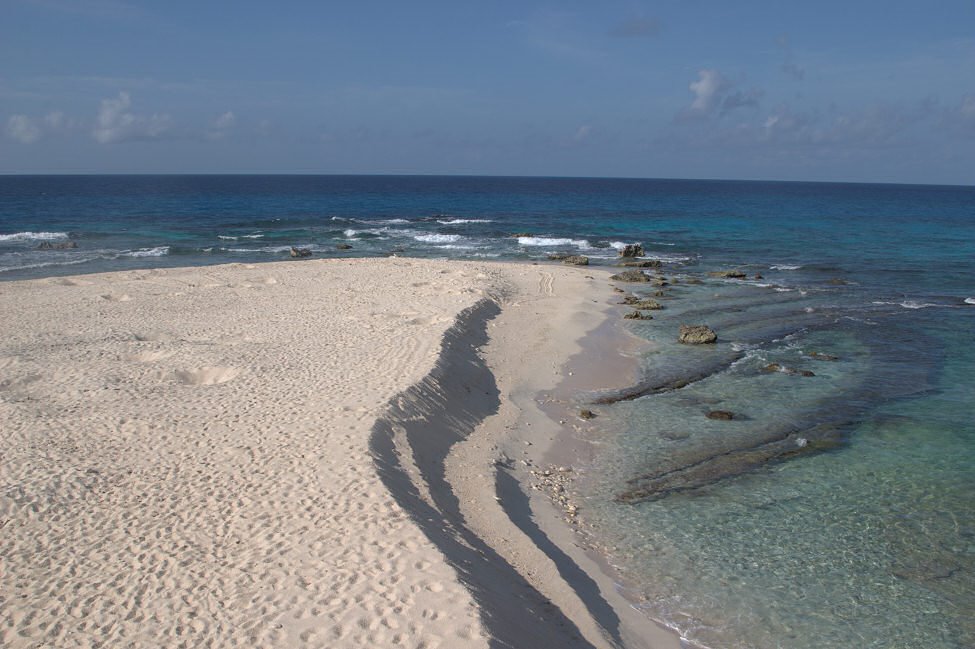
(343, 246)
(636, 315)
(696, 335)
(632, 250)
(728, 274)
(630, 276)
(60, 245)
(300, 252)
(648, 303)
(721, 415)
(645, 263)
(576, 260)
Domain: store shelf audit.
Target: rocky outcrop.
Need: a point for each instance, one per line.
(343, 246)
(728, 274)
(630, 276)
(632, 250)
(576, 260)
(819, 356)
(587, 414)
(644, 263)
(638, 315)
(696, 335)
(648, 303)
(298, 253)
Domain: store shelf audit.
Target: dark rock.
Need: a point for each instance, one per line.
(659, 281)
(696, 335)
(587, 414)
(693, 280)
(728, 274)
(646, 263)
(822, 357)
(646, 303)
(660, 293)
(59, 245)
(637, 315)
(522, 234)
(618, 290)
(576, 260)
(806, 373)
(837, 281)
(343, 246)
(758, 276)
(300, 252)
(721, 415)
(772, 367)
(630, 276)
(632, 250)
(558, 256)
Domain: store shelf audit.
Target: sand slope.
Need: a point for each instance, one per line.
(185, 457)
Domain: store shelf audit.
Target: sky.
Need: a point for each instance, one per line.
(859, 91)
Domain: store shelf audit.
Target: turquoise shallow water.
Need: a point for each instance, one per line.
(867, 542)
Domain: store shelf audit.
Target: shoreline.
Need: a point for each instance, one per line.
(212, 435)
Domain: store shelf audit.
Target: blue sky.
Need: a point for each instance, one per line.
(847, 91)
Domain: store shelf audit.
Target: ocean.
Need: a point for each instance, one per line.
(836, 506)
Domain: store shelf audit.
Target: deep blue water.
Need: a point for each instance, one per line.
(868, 542)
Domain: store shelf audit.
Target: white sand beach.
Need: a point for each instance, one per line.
(291, 455)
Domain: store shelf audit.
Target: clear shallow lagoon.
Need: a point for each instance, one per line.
(869, 544)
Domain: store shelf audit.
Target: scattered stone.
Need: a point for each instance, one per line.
(558, 256)
(632, 250)
(696, 335)
(806, 373)
(660, 293)
(618, 290)
(646, 263)
(659, 281)
(721, 415)
(343, 246)
(758, 276)
(586, 414)
(57, 245)
(300, 252)
(518, 235)
(728, 274)
(822, 357)
(772, 367)
(637, 315)
(630, 276)
(576, 260)
(642, 303)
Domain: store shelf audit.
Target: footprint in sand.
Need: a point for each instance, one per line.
(153, 337)
(148, 357)
(207, 375)
(67, 281)
(124, 297)
(19, 382)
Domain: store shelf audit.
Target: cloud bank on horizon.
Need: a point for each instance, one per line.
(693, 90)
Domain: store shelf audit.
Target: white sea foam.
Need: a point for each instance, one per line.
(158, 251)
(451, 246)
(227, 237)
(970, 300)
(911, 304)
(619, 245)
(33, 236)
(462, 221)
(785, 267)
(437, 238)
(553, 241)
(46, 264)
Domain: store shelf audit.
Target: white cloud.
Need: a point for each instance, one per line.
(582, 133)
(225, 121)
(23, 129)
(116, 124)
(716, 95)
(707, 89)
(55, 119)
